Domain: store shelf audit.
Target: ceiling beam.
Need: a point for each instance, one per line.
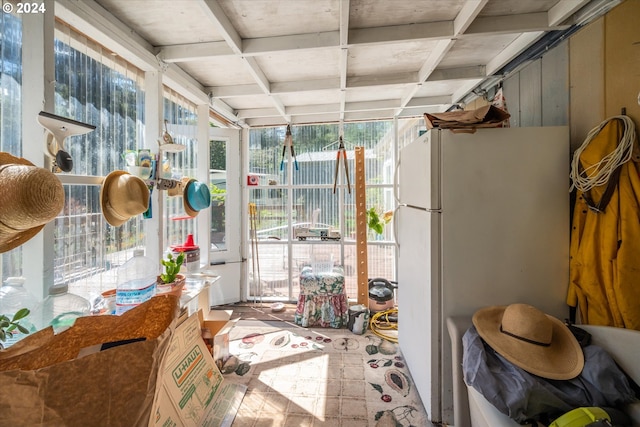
(382, 79)
(509, 24)
(213, 11)
(268, 45)
(511, 51)
(193, 51)
(344, 54)
(439, 74)
(434, 58)
(216, 15)
(93, 20)
(350, 107)
(429, 100)
(251, 113)
(563, 10)
(467, 15)
(465, 18)
(460, 73)
(397, 33)
(234, 91)
(463, 26)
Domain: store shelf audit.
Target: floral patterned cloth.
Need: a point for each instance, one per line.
(322, 300)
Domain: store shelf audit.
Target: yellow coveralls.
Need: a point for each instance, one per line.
(604, 268)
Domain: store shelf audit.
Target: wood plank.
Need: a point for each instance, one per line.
(531, 95)
(586, 74)
(622, 60)
(511, 92)
(555, 86)
(361, 228)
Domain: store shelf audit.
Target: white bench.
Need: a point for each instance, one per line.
(472, 409)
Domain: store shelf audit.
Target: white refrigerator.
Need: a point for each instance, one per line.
(483, 220)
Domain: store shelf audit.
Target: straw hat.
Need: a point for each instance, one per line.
(30, 197)
(196, 196)
(123, 196)
(532, 340)
(179, 188)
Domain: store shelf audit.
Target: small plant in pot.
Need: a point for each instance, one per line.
(171, 281)
(8, 326)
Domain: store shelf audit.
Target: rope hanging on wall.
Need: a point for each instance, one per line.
(600, 172)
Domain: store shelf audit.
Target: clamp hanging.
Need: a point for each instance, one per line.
(288, 142)
(342, 152)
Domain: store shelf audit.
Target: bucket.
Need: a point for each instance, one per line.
(358, 319)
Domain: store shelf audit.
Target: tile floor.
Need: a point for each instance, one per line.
(312, 388)
(325, 390)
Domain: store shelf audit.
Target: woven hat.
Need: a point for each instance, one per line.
(30, 197)
(122, 197)
(530, 339)
(196, 196)
(179, 188)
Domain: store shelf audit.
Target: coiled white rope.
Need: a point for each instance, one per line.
(599, 173)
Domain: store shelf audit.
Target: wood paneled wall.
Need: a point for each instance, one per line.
(538, 94)
(582, 81)
(605, 70)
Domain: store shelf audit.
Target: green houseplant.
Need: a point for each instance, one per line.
(171, 281)
(7, 326)
(376, 220)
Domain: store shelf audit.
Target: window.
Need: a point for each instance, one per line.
(288, 197)
(10, 113)
(218, 185)
(181, 121)
(95, 87)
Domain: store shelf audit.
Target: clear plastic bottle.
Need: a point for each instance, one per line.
(136, 281)
(60, 309)
(14, 297)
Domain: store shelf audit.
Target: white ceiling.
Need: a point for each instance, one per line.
(272, 62)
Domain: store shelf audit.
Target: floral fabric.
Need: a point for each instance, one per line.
(322, 300)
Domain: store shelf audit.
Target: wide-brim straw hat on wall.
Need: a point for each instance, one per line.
(532, 340)
(30, 197)
(122, 197)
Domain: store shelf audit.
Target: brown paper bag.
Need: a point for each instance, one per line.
(483, 117)
(43, 382)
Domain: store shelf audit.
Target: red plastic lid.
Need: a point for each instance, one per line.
(188, 245)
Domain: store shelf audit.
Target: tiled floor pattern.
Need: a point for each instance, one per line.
(313, 383)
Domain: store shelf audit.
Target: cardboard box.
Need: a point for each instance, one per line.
(219, 325)
(192, 391)
(101, 371)
(138, 369)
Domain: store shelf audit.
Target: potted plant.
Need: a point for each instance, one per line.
(7, 326)
(376, 221)
(171, 281)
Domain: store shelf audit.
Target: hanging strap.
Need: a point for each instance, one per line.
(612, 183)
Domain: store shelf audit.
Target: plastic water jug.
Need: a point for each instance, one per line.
(60, 309)
(14, 297)
(136, 281)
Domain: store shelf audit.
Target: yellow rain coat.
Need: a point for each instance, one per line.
(604, 268)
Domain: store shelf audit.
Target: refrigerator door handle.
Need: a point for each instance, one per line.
(396, 212)
(396, 189)
(395, 225)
